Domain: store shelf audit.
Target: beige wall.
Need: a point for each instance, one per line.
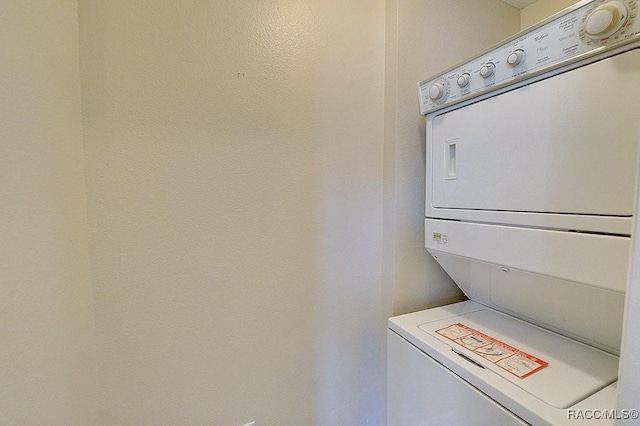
(422, 39)
(47, 357)
(235, 177)
(234, 157)
(542, 9)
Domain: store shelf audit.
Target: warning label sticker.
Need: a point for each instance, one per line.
(513, 360)
(439, 238)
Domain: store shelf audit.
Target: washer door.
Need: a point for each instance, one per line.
(423, 392)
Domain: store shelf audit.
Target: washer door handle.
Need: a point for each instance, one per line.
(463, 356)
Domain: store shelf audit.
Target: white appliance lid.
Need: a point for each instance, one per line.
(574, 371)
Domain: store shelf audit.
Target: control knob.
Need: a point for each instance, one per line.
(436, 91)
(605, 20)
(515, 58)
(487, 70)
(464, 80)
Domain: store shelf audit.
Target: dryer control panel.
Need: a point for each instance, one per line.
(582, 30)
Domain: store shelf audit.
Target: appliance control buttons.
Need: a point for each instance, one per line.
(487, 70)
(464, 80)
(605, 20)
(436, 91)
(515, 58)
(585, 29)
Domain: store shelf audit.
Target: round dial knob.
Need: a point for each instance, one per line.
(516, 57)
(464, 80)
(487, 70)
(605, 20)
(436, 91)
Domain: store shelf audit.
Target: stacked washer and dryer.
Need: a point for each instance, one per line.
(532, 159)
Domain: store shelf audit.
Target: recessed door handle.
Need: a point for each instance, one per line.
(466, 358)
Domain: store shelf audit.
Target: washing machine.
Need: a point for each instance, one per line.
(532, 159)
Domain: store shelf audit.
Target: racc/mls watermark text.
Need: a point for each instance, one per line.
(608, 414)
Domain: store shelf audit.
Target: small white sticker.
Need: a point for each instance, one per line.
(439, 238)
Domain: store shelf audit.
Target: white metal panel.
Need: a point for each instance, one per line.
(598, 260)
(563, 145)
(575, 370)
(514, 398)
(587, 313)
(629, 394)
(423, 393)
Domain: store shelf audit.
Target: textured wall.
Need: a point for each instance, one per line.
(235, 193)
(422, 39)
(542, 9)
(234, 157)
(47, 357)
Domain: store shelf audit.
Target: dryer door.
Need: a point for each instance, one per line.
(564, 145)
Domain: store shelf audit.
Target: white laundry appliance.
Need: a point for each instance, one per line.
(532, 152)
